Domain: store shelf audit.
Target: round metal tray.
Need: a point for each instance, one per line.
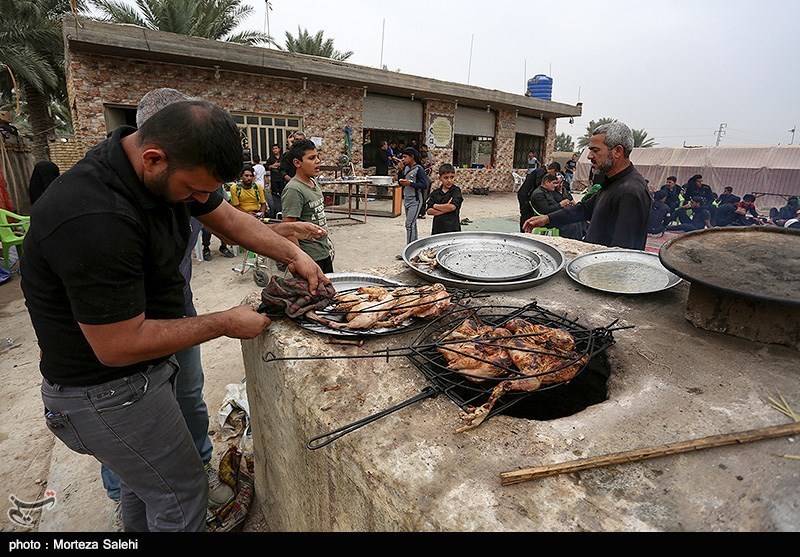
(755, 262)
(621, 272)
(344, 282)
(488, 263)
(551, 259)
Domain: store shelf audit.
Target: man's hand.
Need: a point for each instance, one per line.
(244, 322)
(296, 230)
(304, 267)
(566, 202)
(536, 222)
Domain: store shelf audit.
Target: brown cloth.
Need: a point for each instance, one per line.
(292, 296)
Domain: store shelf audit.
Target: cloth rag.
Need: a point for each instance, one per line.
(292, 296)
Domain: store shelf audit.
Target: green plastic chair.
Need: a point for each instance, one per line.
(12, 233)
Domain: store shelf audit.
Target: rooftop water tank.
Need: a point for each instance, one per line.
(541, 87)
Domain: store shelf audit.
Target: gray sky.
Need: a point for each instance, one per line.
(676, 68)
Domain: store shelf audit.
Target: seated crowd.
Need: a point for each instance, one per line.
(695, 206)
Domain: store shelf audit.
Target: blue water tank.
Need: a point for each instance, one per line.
(541, 87)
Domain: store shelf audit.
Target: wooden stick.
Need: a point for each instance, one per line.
(347, 341)
(519, 476)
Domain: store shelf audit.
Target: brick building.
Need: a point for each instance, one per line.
(346, 107)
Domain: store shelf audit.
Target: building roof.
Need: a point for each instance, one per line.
(131, 41)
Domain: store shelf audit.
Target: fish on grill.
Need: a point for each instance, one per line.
(528, 355)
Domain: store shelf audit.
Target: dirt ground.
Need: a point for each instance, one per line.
(34, 464)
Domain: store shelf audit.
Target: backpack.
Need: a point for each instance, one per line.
(239, 189)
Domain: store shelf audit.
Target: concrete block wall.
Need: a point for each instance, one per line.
(325, 109)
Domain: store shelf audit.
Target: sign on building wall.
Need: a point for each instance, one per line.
(440, 132)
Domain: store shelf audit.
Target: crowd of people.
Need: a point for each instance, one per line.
(695, 206)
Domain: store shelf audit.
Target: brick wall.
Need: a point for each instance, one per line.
(66, 153)
(325, 109)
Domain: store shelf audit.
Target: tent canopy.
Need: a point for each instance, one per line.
(770, 170)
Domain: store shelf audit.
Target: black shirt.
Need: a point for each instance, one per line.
(531, 182)
(102, 249)
(448, 222)
(382, 166)
(545, 201)
(275, 175)
(658, 212)
(287, 168)
(617, 214)
(673, 199)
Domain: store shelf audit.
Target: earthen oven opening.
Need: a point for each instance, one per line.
(588, 388)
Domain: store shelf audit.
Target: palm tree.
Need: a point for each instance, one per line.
(304, 43)
(564, 143)
(210, 19)
(32, 62)
(640, 139)
(583, 141)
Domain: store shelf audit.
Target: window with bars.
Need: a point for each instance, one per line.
(259, 132)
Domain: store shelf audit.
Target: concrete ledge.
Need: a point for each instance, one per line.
(408, 471)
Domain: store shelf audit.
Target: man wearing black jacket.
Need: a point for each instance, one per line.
(532, 181)
(619, 211)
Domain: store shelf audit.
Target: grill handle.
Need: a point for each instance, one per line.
(321, 440)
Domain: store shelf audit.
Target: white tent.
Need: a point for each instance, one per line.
(770, 172)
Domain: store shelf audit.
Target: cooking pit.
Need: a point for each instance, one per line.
(745, 281)
(661, 382)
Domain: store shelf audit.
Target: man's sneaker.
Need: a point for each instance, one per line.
(115, 525)
(219, 493)
(207, 255)
(226, 252)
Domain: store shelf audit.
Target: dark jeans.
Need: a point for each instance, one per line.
(206, 235)
(189, 392)
(275, 205)
(134, 426)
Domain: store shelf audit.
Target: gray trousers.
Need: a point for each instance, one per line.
(134, 426)
(411, 206)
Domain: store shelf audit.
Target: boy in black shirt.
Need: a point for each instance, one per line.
(444, 203)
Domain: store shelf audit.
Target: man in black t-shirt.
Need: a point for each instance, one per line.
(102, 284)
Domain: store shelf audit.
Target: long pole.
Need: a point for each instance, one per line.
(469, 68)
(536, 472)
(383, 34)
(266, 19)
(792, 130)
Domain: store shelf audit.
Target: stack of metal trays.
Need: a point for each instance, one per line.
(489, 261)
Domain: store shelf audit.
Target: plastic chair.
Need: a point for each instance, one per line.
(518, 181)
(12, 233)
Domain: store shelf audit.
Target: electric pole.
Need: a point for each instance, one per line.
(792, 132)
(720, 132)
(266, 20)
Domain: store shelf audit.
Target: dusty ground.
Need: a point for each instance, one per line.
(34, 463)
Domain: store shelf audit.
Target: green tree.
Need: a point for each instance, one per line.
(564, 143)
(32, 64)
(315, 45)
(583, 141)
(210, 19)
(640, 139)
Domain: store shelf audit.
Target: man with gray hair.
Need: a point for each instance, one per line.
(619, 211)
